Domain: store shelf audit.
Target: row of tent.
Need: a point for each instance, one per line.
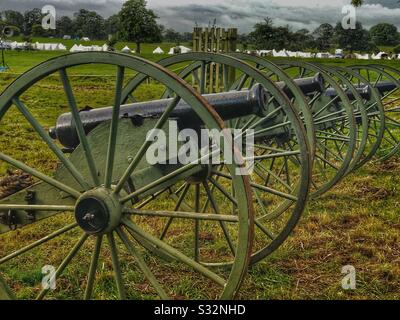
(36, 46)
(173, 50)
(182, 49)
(293, 54)
(322, 55)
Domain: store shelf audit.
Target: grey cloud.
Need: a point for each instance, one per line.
(246, 14)
(64, 7)
(240, 13)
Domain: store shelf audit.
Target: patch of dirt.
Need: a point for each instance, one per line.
(367, 191)
(13, 182)
(388, 165)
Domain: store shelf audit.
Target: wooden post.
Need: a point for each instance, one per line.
(216, 40)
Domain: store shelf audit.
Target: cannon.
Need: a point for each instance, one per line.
(228, 106)
(312, 125)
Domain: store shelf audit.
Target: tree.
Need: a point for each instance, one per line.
(384, 34)
(14, 18)
(323, 36)
(262, 36)
(302, 40)
(89, 24)
(138, 24)
(31, 18)
(38, 31)
(170, 35)
(112, 25)
(357, 3)
(65, 26)
(353, 39)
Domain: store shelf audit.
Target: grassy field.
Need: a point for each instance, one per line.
(357, 223)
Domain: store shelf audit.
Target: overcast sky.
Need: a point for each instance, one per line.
(183, 14)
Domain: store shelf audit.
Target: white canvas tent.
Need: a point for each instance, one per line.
(291, 54)
(61, 47)
(126, 49)
(362, 56)
(380, 55)
(184, 49)
(177, 49)
(282, 53)
(74, 48)
(323, 55)
(264, 53)
(304, 54)
(158, 51)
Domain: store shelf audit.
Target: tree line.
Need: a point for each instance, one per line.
(267, 36)
(136, 23)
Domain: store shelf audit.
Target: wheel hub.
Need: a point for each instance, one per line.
(98, 211)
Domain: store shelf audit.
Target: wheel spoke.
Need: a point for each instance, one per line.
(197, 224)
(114, 128)
(222, 223)
(142, 265)
(176, 254)
(65, 263)
(31, 207)
(93, 268)
(182, 215)
(178, 205)
(46, 138)
(139, 155)
(79, 127)
(260, 187)
(39, 175)
(116, 266)
(38, 243)
(168, 177)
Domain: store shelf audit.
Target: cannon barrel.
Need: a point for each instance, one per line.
(228, 105)
(385, 86)
(363, 91)
(307, 85)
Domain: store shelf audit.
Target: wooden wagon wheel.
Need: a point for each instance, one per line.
(360, 114)
(335, 126)
(375, 114)
(94, 184)
(282, 169)
(386, 82)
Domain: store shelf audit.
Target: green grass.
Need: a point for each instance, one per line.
(356, 223)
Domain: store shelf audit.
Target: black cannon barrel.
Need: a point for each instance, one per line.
(307, 85)
(363, 91)
(229, 105)
(385, 86)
